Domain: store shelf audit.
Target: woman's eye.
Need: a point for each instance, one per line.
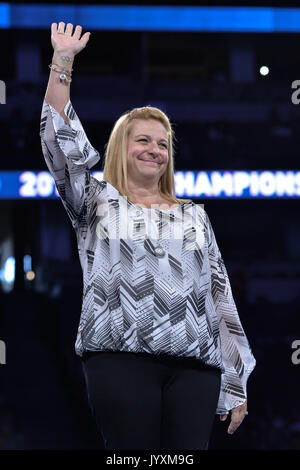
(145, 140)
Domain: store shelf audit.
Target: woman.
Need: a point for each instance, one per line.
(160, 339)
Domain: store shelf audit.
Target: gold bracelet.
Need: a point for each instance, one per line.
(67, 72)
(64, 74)
(61, 66)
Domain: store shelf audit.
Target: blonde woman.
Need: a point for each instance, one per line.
(162, 347)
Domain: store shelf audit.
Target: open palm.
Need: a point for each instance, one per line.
(65, 40)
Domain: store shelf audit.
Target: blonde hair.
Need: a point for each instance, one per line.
(115, 164)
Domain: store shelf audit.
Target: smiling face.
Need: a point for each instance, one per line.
(147, 151)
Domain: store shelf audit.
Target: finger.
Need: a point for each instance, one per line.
(53, 28)
(69, 29)
(77, 31)
(232, 428)
(61, 27)
(234, 424)
(223, 417)
(85, 37)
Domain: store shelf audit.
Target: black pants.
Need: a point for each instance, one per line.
(144, 401)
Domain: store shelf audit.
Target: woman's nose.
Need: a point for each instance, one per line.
(154, 148)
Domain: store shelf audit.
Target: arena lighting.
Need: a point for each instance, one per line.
(7, 274)
(267, 184)
(264, 70)
(30, 275)
(5, 9)
(27, 263)
(153, 18)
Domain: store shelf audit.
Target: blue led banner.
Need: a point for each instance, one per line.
(267, 184)
(5, 15)
(153, 18)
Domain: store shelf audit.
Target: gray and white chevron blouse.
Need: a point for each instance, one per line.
(180, 304)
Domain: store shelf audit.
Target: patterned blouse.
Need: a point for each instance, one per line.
(179, 304)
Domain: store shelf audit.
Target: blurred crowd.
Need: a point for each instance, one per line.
(269, 140)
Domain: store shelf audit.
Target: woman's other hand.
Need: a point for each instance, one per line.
(237, 416)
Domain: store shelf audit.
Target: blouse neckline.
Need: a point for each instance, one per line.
(176, 206)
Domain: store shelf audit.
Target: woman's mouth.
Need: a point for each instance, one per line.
(150, 161)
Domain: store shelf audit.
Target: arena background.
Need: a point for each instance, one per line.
(230, 114)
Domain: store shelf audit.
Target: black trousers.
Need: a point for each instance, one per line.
(144, 401)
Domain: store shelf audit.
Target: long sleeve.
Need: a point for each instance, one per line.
(69, 157)
(237, 356)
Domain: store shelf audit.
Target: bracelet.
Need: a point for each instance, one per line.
(64, 74)
(67, 72)
(61, 66)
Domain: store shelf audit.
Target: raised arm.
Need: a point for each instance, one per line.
(66, 148)
(65, 45)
